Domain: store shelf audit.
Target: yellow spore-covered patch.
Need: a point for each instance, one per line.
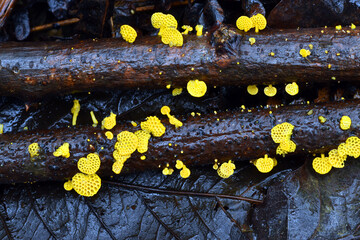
(143, 140)
(352, 147)
(252, 89)
(63, 151)
(304, 53)
(90, 164)
(286, 146)
(292, 88)
(345, 123)
(172, 37)
(34, 149)
(75, 111)
(117, 167)
(244, 23)
(160, 20)
(335, 159)
(265, 164)
(86, 185)
(270, 91)
(128, 33)
(109, 122)
(321, 164)
(118, 157)
(127, 143)
(226, 169)
(196, 88)
(154, 126)
(259, 22)
(342, 149)
(281, 132)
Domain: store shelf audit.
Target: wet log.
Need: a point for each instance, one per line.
(223, 58)
(227, 135)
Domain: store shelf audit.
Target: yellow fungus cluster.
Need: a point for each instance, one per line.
(172, 37)
(257, 21)
(75, 111)
(143, 140)
(90, 164)
(165, 110)
(226, 169)
(265, 164)
(63, 151)
(127, 143)
(335, 159)
(345, 123)
(128, 33)
(196, 88)
(252, 89)
(168, 29)
(304, 53)
(281, 133)
(292, 88)
(154, 126)
(187, 29)
(322, 119)
(199, 30)
(352, 147)
(109, 122)
(160, 20)
(34, 150)
(184, 171)
(270, 91)
(321, 164)
(167, 171)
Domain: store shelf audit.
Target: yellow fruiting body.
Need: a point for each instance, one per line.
(174, 121)
(63, 151)
(109, 122)
(127, 143)
(68, 185)
(352, 147)
(120, 158)
(322, 119)
(252, 89)
(252, 41)
(187, 29)
(244, 23)
(109, 135)
(338, 27)
(345, 122)
(321, 164)
(185, 172)
(160, 20)
(226, 169)
(128, 33)
(34, 149)
(304, 53)
(165, 110)
(117, 167)
(270, 91)
(287, 146)
(93, 118)
(281, 132)
(335, 159)
(259, 22)
(86, 185)
(342, 149)
(172, 37)
(143, 140)
(292, 89)
(176, 91)
(199, 30)
(75, 111)
(90, 164)
(352, 26)
(179, 164)
(157, 19)
(154, 126)
(265, 164)
(196, 88)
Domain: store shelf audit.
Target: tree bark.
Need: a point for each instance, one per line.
(224, 58)
(224, 136)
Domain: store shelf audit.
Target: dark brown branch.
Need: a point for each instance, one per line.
(227, 135)
(32, 70)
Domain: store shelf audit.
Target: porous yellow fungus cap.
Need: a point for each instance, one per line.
(270, 91)
(321, 164)
(34, 149)
(117, 167)
(292, 88)
(172, 37)
(128, 33)
(109, 122)
(165, 110)
(75, 111)
(287, 146)
(282, 132)
(160, 20)
(199, 30)
(335, 159)
(179, 164)
(143, 140)
(196, 88)
(265, 164)
(342, 149)
(259, 22)
(185, 172)
(127, 143)
(157, 19)
(252, 41)
(120, 158)
(90, 164)
(226, 169)
(345, 122)
(187, 29)
(63, 151)
(86, 185)
(304, 53)
(252, 89)
(154, 126)
(109, 135)
(244, 23)
(68, 186)
(352, 147)
(176, 91)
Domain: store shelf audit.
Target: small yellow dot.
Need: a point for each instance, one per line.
(329, 66)
(142, 157)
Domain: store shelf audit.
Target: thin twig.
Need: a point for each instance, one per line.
(7, 231)
(52, 25)
(174, 192)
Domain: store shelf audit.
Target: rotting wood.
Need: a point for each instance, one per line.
(224, 58)
(227, 135)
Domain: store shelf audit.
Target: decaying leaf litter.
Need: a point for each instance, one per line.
(242, 224)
